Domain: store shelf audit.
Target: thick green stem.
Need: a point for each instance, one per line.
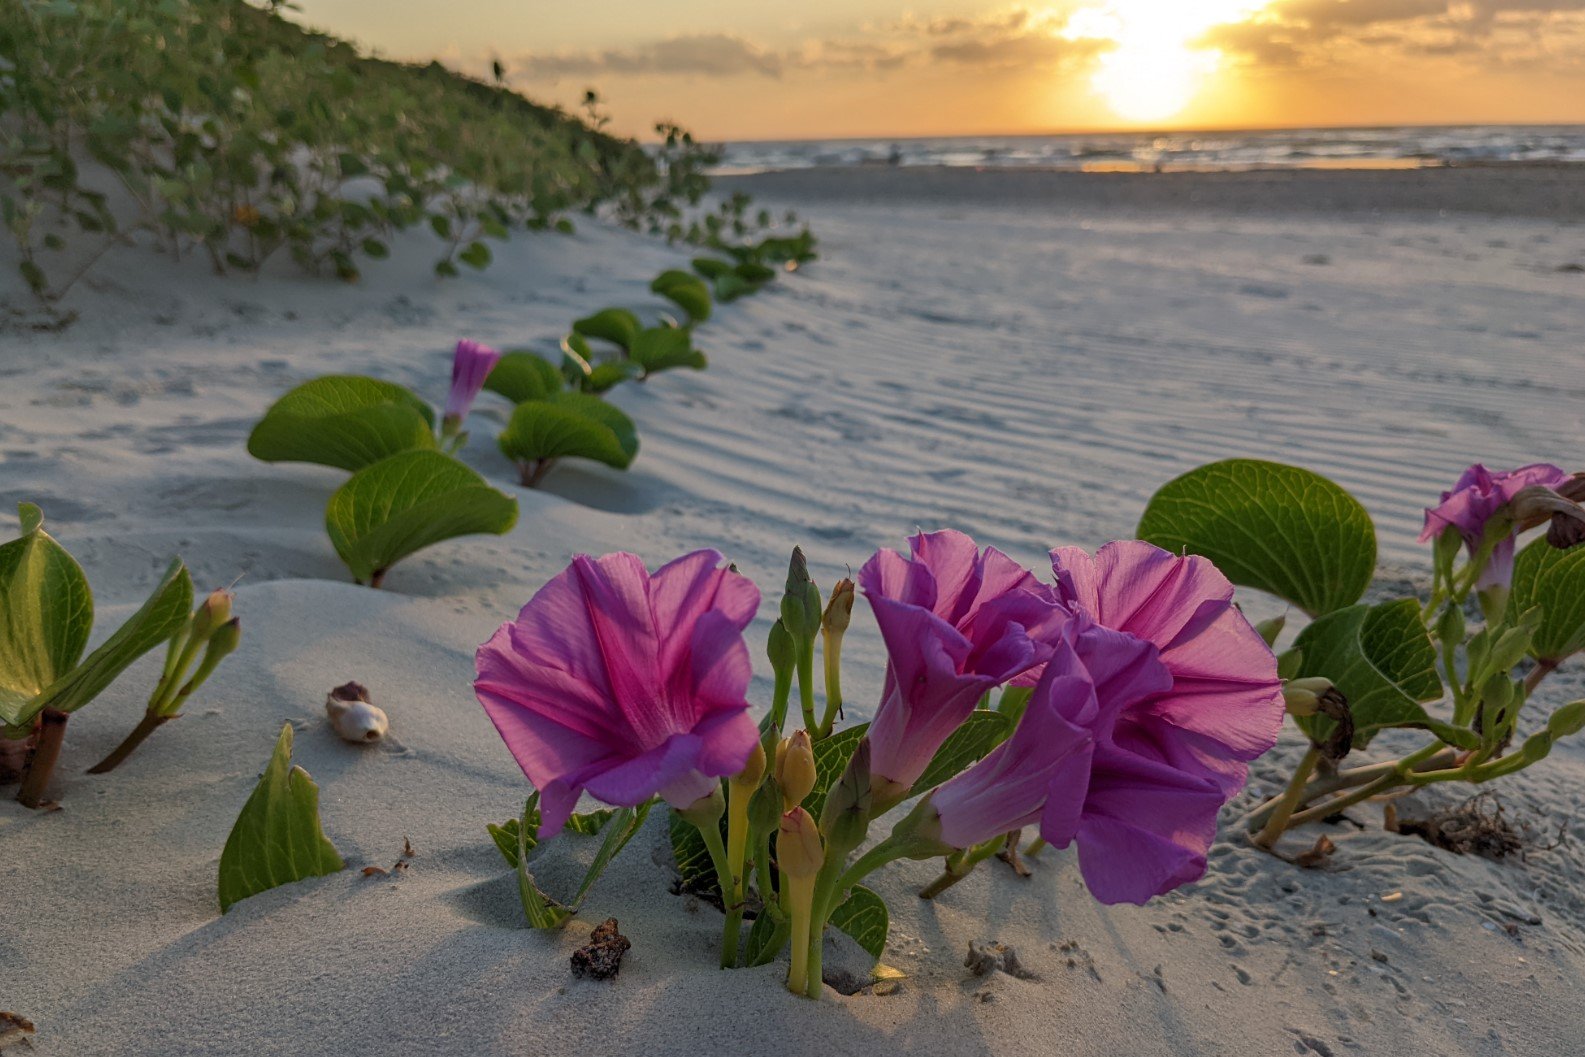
(832, 655)
(150, 722)
(802, 892)
(806, 688)
(737, 833)
(1428, 756)
(1336, 804)
(52, 731)
(711, 832)
(1278, 823)
(1035, 847)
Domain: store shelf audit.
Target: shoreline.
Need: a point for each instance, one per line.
(1537, 190)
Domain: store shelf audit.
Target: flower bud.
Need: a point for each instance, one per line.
(215, 611)
(224, 641)
(800, 617)
(1303, 696)
(839, 610)
(1270, 629)
(707, 810)
(753, 771)
(781, 649)
(1450, 626)
(846, 817)
(795, 768)
(799, 852)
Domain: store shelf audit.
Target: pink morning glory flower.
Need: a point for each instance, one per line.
(1040, 774)
(1477, 496)
(957, 623)
(623, 684)
(471, 364)
(1186, 695)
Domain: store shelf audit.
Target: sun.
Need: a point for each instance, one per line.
(1155, 63)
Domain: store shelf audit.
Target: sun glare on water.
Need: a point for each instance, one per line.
(1156, 64)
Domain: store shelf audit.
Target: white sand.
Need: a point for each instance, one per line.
(1027, 374)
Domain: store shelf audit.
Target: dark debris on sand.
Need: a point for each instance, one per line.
(602, 958)
(1478, 826)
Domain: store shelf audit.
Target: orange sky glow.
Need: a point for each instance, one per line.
(836, 68)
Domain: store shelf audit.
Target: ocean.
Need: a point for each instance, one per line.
(1310, 148)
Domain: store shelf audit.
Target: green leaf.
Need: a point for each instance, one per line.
(1554, 580)
(687, 292)
(620, 825)
(616, 325)
(345, 421)
(979, 734)
(607, 376)
(831, 759)
(408, 502)
(570, 425)
(521, 375)
(864, 917)
(161, 616)
(1273, 527)
(505, 834)
(754, 273)
(1384, 663)
(46, 616)
(692, 858)
(712, 267)
(277, 838)
(662, 348)
(476, 256)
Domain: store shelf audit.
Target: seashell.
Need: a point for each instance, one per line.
(354, 717)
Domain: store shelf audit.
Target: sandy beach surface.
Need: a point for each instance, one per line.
(1022, 356)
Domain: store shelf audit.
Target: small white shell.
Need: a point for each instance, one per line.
(354, 717)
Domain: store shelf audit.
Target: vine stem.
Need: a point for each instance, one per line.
(1542, 669)
(711, 833)
(52, 732)
(1336, 804)
(1278, 822)
(150, 722)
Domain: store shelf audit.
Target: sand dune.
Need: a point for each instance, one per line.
(1025, 372)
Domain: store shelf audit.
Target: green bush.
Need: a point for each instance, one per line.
(221, 128)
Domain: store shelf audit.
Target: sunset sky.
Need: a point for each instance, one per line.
(833, 68)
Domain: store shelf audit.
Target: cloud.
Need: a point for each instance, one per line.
(1488, 33)
(694, 54)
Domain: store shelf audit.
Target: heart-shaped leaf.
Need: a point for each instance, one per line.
(1272, 527)
(408, 502)
(606, 376)
(864, 917)
(1554, 580)
(346, 421)
(46, 616)
(616, 325)
(162, 615)
(569, 426)
(662, 348)
(687, 292)
(754, 273)
(277, 838)
(712, 267)
(521, 375)
(1384, 663)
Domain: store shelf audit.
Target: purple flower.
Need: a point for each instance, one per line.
(1186, 694)
(621, 684)
(471, 364)
(1040, 774)
(957, 623)
(1476, 498)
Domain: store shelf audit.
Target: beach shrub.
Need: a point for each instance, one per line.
(1359, 668)
(777, 824)
(226, 130)
(406, 502)
(46, 618)
(567, 425)
(277, 838)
